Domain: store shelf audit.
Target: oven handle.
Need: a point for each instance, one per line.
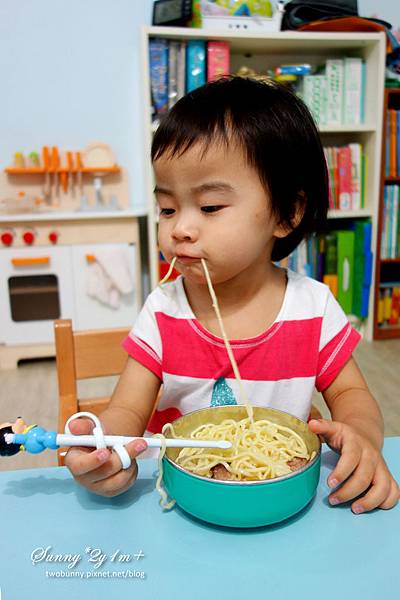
(30, 261)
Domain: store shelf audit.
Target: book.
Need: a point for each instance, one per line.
(392, 143)
(314, 94)
(195, 64)
(353, 103)
(345, 256)
(330, 267)
(218, 59)
(345, 181)
(356, 188)
(172, 72)
(181, 74)
(158, 57)
(334, 78)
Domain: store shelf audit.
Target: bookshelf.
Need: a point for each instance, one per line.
(387, 270)
(262, 51)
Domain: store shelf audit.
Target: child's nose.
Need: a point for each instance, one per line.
(185, 230)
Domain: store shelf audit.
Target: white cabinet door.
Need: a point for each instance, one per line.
(96, 312)
(35, 289)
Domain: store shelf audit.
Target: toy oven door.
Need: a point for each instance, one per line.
(35, 289)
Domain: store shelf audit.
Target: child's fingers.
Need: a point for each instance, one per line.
(329, 430)
(81, 426)
(81, 461)
(393, 497)
(355, 485)
(377, 495)
(347, 463)
(117, 483)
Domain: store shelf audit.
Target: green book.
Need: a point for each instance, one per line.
(345, 257)
(330, 266)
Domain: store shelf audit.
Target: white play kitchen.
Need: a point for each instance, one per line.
(69, 248)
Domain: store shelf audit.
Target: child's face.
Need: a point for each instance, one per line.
(213, 207)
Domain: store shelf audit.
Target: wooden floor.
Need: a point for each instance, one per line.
(31, 392)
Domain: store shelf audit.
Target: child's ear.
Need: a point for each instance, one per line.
(283, 229)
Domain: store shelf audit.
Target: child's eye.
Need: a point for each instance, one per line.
(167, 211)
(211, 208)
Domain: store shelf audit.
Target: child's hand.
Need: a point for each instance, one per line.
(360, 469)
(100, 471)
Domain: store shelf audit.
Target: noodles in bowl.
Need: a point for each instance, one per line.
(261, 449)
(241, 502)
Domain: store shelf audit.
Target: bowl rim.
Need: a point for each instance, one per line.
(252, 482)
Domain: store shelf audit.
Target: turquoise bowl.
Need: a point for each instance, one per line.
(242, 504)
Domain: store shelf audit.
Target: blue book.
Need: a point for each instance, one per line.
(368, 263)
(195, 64)
(158, 57)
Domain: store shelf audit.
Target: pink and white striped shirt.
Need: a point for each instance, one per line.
(306, 347)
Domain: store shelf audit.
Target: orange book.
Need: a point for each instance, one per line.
(393, 144)
(332, 282)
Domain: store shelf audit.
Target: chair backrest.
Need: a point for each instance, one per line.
(84, 355)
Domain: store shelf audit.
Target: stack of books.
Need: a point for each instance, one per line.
(336, 96)
(347, 176)
(178, 67)
(343, 260)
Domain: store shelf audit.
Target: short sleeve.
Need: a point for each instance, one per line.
(144, 341)
(337, 343)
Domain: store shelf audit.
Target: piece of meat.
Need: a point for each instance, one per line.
(296, 463)
(221, 472)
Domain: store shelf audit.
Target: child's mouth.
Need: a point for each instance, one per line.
(188, 260)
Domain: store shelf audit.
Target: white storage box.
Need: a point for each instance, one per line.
(253, 23)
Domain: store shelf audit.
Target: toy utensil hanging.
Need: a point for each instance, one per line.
(38, 439)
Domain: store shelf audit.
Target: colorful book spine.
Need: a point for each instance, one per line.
(181, 74)
(334, 77)
(387, 145)
(345, 250)
(398, 143)
(345, 178)
(356, 187)
(158, 50)
(392, 143)
(218, 59)
(172, 73)
(354, 83)
(195, 64)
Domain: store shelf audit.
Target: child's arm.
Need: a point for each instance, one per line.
(128, 413)
(356, 431)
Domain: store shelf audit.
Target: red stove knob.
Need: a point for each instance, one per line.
(53, 237)
(28, 237)
(7, 238)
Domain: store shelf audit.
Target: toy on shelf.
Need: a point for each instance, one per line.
(15, 437)
(63, 179)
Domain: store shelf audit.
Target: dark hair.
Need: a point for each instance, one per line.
(278, 135)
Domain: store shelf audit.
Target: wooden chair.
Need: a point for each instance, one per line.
(84, 355)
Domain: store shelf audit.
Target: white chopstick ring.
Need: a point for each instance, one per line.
(99, 437)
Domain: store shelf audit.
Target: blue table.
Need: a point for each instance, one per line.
(324, 552)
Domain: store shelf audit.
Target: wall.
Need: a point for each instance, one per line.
(70, 75)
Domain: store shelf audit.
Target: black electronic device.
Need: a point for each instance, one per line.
(172, 12)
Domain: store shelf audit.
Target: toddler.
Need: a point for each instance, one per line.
(241, 180)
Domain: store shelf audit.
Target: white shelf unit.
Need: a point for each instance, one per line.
(263, 51)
